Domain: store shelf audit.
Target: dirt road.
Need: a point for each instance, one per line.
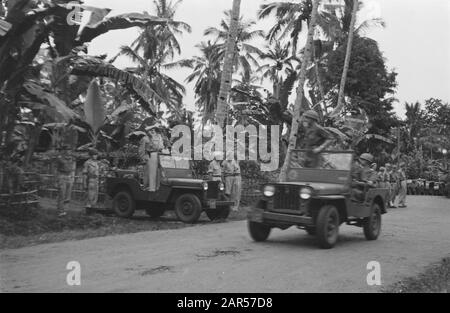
(222, 258)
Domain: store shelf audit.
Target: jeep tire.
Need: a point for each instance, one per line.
(123, 204)
(188, 208)
(327, 226)
(372, 224)
(258, 231)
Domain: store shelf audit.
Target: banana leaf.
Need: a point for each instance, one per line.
(94, 107)
(64, 113)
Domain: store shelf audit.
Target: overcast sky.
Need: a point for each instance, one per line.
(415, 42)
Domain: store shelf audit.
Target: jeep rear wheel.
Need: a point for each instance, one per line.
(124, 204)
(217, 214)
(327, 226)
(188, 208)
(372, 224)
(258, 231)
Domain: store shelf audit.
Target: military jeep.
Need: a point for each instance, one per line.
(318, 200)
(179, 191)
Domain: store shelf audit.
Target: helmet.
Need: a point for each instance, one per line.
(367, 157)
(312, 115)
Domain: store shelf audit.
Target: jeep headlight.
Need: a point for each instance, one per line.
(269, 191)
(205, 186)
(221, 186)
(305, 193)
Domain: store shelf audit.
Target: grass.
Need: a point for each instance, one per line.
(435, 279)
(20, 228)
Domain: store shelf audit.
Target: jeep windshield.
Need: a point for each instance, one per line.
(328, 160)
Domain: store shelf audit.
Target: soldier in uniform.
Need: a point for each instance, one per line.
(316, 139)
(362, 175)
(394, 185)
(91, 170)
(214, 168)
(233, 181)
(149, 149)
(403, 186)
(65, 169)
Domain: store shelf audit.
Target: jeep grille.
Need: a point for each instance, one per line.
(213, 190)
(286, 198)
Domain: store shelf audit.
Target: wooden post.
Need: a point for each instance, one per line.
(300, 91)
(227, 72)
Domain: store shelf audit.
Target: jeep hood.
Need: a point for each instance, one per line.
(184, 182)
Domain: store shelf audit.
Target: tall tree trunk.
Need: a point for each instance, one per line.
(227, 72)
(299, 102)
(340, 104)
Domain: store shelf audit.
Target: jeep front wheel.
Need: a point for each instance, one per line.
(258, 231)
(372, 224)
(327, 226)
(124, 204)
(188, 208)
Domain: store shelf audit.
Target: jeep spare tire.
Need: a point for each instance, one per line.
(188, 208)
(123, 204)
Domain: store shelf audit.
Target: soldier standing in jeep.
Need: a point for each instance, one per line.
(316, 139)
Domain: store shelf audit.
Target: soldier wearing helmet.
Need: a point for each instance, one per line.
(315, 139)
(362, 175)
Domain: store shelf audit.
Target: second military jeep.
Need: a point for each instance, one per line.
(179, 191)
(319, 200)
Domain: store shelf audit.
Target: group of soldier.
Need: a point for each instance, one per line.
(312, 137)
(365, 173)
(65, 166)
(228, 172)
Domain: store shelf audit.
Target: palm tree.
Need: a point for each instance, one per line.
(155, 47)
(245, 59)
(300, 91)
(162, 40)
(348, 54)
(290, 17)
(206, 72)
(278, 61)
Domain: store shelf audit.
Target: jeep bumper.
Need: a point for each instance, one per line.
(261, 216)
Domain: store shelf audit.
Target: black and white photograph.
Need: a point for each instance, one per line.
(219, 154)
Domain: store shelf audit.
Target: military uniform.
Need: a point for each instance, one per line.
(233, 181)
(313, 137)
(215, 170)
(91, 172)
(65, 167)
(362, 177)
(149, 149)
(403, 188)
(393, 178)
